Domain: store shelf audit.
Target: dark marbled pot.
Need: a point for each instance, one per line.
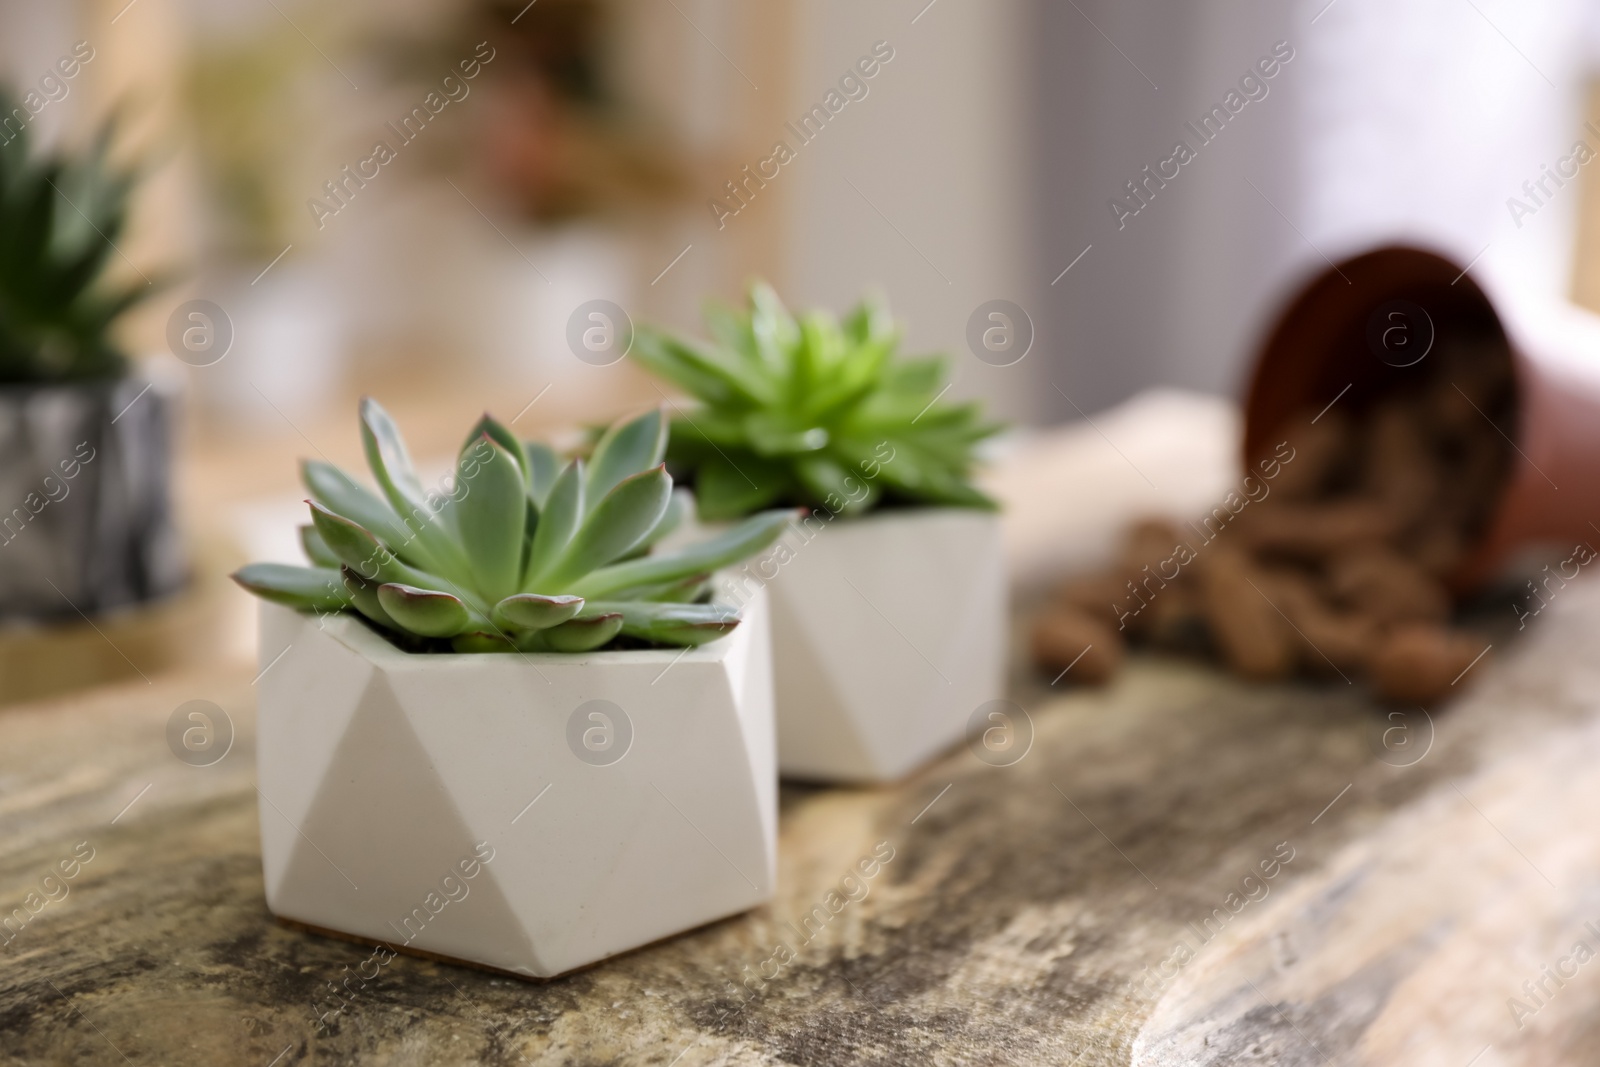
(85, 498)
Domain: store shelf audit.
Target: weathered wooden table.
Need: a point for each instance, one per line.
(1181, 869)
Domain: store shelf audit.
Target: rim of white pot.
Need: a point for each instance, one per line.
(354, 633)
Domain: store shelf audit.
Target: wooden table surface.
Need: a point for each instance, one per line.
(1101, 901)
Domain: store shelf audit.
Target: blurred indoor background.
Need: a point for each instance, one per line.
(587, 155)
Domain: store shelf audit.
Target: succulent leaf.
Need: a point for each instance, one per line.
(543, 468)
(558, 524)
(530, 611)
(678, 624)
(618, 523)
(316, 549)
(363, 554)
(749, 537)
(491, 514)
(679, 505)
(491, 427)
(626, 449)
(307, 588)
(339, 493)
(582, 634)
(694, 368)
(682, 591)
(391, 466)
(364, 597)
(424, 611)
(388, 457)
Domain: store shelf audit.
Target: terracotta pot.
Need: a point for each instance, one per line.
(1326, 343)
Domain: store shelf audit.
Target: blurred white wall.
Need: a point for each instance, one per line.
(921, 185)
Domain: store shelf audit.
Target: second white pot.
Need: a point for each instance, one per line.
(889, 631)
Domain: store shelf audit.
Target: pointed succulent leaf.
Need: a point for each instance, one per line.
(391, 466)
(342, 494)
(626, 449)
(316, 549)
(543, 468)
(364, 597)
(530, 611)
(747, 538)
(672, 624)
(558, 523)
(501, 435)
(306, 588)
(426, 612)
(582, 634)
(701, 368)
(679, 505)
(615, 525)
(351, 542)
(388, 457)
(682, 591)
(662, 354)
(366, 557)
(491, 513)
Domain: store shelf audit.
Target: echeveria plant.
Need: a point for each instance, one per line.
(60, 217)
(813, 412)
(518, 552)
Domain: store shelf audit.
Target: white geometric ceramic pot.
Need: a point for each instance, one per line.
(533, 813)
(889, 631)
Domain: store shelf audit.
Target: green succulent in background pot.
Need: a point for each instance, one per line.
(85, 515)
(888, 597)
(814, 412)
(388, 737)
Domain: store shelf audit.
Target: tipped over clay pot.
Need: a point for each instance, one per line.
(1363, 329)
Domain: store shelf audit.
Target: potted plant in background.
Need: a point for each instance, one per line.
(889, 610)
(454, 654)
(85, 514)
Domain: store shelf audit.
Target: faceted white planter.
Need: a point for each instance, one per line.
(888, 632)
(533, 813)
